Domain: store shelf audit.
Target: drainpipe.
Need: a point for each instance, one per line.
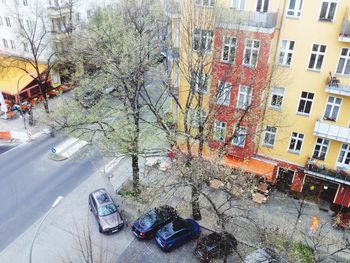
(278, 30)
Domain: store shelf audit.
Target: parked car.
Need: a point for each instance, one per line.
(90, 98)
(105, 211)
(148, 224)
(176, 233)
(215, 246)
(264, 255)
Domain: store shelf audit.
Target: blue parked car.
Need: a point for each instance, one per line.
(148, 224)
(177, 233)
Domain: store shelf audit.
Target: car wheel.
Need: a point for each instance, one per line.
(100, 229)
(90, 208)
(195, 236)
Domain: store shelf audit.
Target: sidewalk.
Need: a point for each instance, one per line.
(57, 240)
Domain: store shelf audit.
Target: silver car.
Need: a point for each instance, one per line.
(105, 211)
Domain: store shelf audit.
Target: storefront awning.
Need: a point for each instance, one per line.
(14, 79)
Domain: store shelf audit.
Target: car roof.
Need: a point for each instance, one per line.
(101, 196)
(173, 227)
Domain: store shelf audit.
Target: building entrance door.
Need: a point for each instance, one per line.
(284, 180)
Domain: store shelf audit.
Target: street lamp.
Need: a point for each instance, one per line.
(57, 201)
(19, 102)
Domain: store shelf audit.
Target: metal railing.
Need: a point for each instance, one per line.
(248, 18)
(330, 174)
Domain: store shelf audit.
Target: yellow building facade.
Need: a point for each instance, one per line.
(306, 119)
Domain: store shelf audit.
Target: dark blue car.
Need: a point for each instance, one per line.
(177, 233)
(148, 224)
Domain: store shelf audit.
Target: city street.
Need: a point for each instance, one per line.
(30, 182)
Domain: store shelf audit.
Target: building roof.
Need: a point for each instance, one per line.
(13, 79)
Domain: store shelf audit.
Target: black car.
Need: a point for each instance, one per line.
(215, 245)
(148, 224)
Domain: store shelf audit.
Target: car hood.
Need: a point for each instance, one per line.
(110, 221)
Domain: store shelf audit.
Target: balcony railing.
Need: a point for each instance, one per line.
(331, 131)
(334, 85)
(339, 176)
(248, 18)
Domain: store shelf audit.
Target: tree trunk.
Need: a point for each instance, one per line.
(196, 212)
(46, 104)
(135, 174)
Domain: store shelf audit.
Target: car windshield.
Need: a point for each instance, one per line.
(107, 209)
(148, 219)
(173, 227)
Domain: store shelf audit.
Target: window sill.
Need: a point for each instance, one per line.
(329, 119)
(294, 152)
(293, 17)
(275, 108)
(225, 105)
(230, 63)
(249, 66)
(204, 6)
(268, 146)
(324, 20)
(284, 65)
(314, 70)
(237, 145)
(303, 114)
(342, 75)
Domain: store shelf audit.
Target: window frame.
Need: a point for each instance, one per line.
(200, 3)
(307, 99)
(247, 97)
(297, 9)
(7, 21)
(296, 139)
(226, 87)
(347, 151)
(199, 36)
(321, 145)
(262, 7)
(286, 52)
(5, 43)
(195, 81)
(221, 128)
(252, 48)
(269, 134)
(318, 54)
(240, 5)
(328, 9)
(275, 93)
(231, 47)
(242, 132)
(332, 109)
(196, 117)
(347, 60)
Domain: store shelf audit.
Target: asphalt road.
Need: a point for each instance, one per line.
(30, 182)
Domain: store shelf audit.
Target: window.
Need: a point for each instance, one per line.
(77, 17)
(296, 142)
(344, 62)
(344, 155)
(30, 25)
(251, 52)
(25, 46)
(224, 93)
(197, 117)
(1, 22)
(220, 131)
(294, 8)
(244, 97)
(199, 82)
(238, 4)
(228, 49)
(88, 13)
(276, 97)
(262, 6)
(239, 136)
(270, 136)
(205, 2)
(13, 45)
(5, 43)
(8, 21)
(25, 2)
(202, 40)
(317, 55)
(305, 102)
(321, 148)
(286, 52)
(332, 108)
(328, 10)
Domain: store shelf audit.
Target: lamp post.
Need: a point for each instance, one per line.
(57, 201)
(19, 102)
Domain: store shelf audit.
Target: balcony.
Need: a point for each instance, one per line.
(255, 20)
(57, 10)
(172, 8)
(332, 131)
(339, 176)
(336, 86)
